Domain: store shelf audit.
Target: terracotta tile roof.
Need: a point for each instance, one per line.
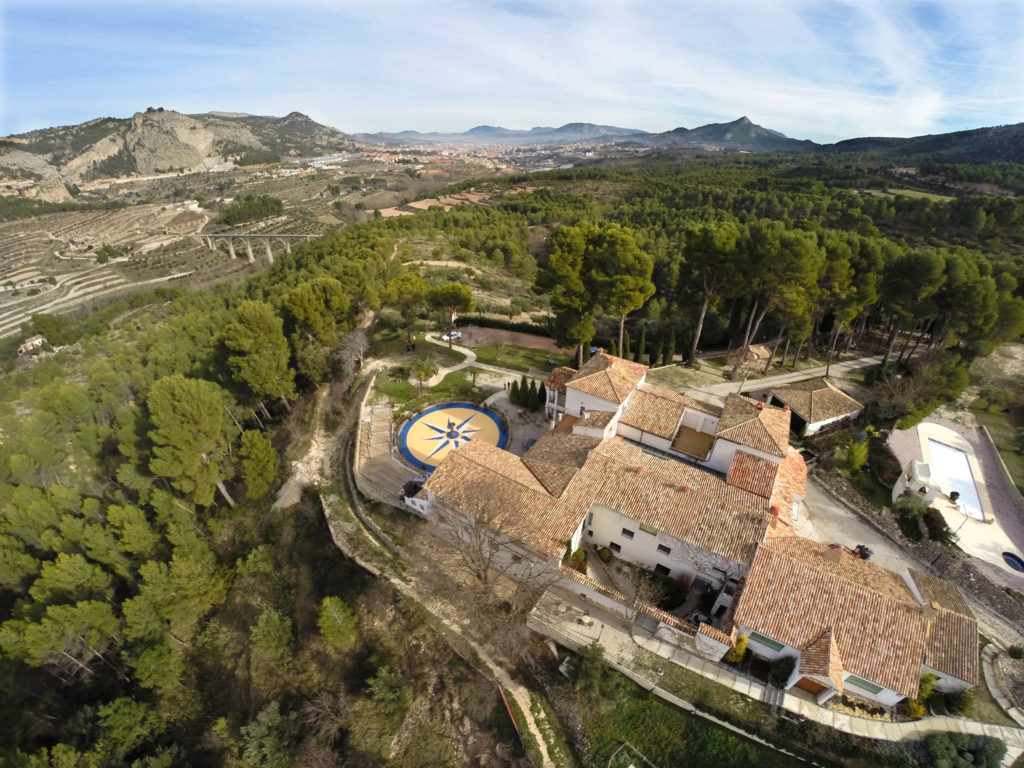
(498, 489)
(817, 400)
(790, 483)
(596, 419)
(556, 457)
(658, 410)
(607, 377)
(952, 646)
(753, 473)
(940, 593)
(691, 504)
(797, 589)
(559, 378)
(755, 425)
(953, 631)
(654, 410)
(822, 658)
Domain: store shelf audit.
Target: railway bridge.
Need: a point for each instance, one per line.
(247, 238)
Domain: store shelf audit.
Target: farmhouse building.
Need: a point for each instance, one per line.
(706, 495)
(816, 404)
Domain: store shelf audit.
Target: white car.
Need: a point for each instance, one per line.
(453, 336)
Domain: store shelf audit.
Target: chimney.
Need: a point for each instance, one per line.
(760, 406)
(785, 407)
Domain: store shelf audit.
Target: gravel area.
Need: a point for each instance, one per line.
(1012, 672)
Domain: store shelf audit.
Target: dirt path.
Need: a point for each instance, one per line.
(316, 468)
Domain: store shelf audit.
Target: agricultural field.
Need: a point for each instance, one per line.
(76, 261)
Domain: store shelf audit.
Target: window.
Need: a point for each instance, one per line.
(864, 685)
(664, 550)
(615, 547)
(767, 642)
(590, 518)
(627, 534)
(661, 570)
(649, 529)
(590, 533)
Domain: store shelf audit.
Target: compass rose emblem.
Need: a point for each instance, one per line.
(451, 434)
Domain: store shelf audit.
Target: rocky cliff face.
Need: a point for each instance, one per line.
(41, 163)
(170, 141)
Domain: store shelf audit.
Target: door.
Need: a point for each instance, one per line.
(811, 686)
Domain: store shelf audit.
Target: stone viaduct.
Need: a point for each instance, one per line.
(211, 240)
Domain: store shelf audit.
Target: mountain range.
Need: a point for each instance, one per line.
(46, 162)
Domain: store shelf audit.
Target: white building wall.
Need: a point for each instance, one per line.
(574, 399)
(817, 426)
(723, 451)
(644, 438)
(606, 527)
(946, 683)
(699, 422)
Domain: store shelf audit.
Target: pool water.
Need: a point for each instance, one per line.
(952, 462)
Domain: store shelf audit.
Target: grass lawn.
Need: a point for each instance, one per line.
(392, 346)
(910, 193)
(518, 358)
(456, 385)
(1003, 428)
(667, 736)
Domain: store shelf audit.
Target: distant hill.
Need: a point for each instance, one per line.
(570, 133)
(979, 145)
(740, 134)
(156, 141)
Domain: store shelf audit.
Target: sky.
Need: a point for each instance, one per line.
(814, 69)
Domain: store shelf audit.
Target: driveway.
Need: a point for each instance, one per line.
(824, 519)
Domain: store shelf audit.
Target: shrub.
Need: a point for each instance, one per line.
(605, 554)
(913, 709)
(926, 686)
(936, 525)
(960, 702)
(1016, 651)
(856, 454)
(782, 669)
(735, 654)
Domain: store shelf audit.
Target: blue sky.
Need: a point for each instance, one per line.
(812, 69)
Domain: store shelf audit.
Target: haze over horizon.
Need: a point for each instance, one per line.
(814, 70)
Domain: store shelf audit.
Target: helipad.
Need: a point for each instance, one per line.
(426, 439)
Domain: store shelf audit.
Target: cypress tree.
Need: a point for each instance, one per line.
(641, 346)
(530, 398)
(586, 352)
(513, 394)
(656, 354)
(542, 397)
(614, 349)
(524, 391)
(670, 348)
(625, 347)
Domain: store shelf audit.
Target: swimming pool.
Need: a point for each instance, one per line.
(952, 462)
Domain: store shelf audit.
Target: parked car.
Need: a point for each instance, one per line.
(453, 336)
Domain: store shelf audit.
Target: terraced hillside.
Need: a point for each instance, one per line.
(59, 262)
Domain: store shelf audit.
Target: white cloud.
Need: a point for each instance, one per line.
(822, 70)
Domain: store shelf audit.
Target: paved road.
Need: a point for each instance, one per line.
(838, 369)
